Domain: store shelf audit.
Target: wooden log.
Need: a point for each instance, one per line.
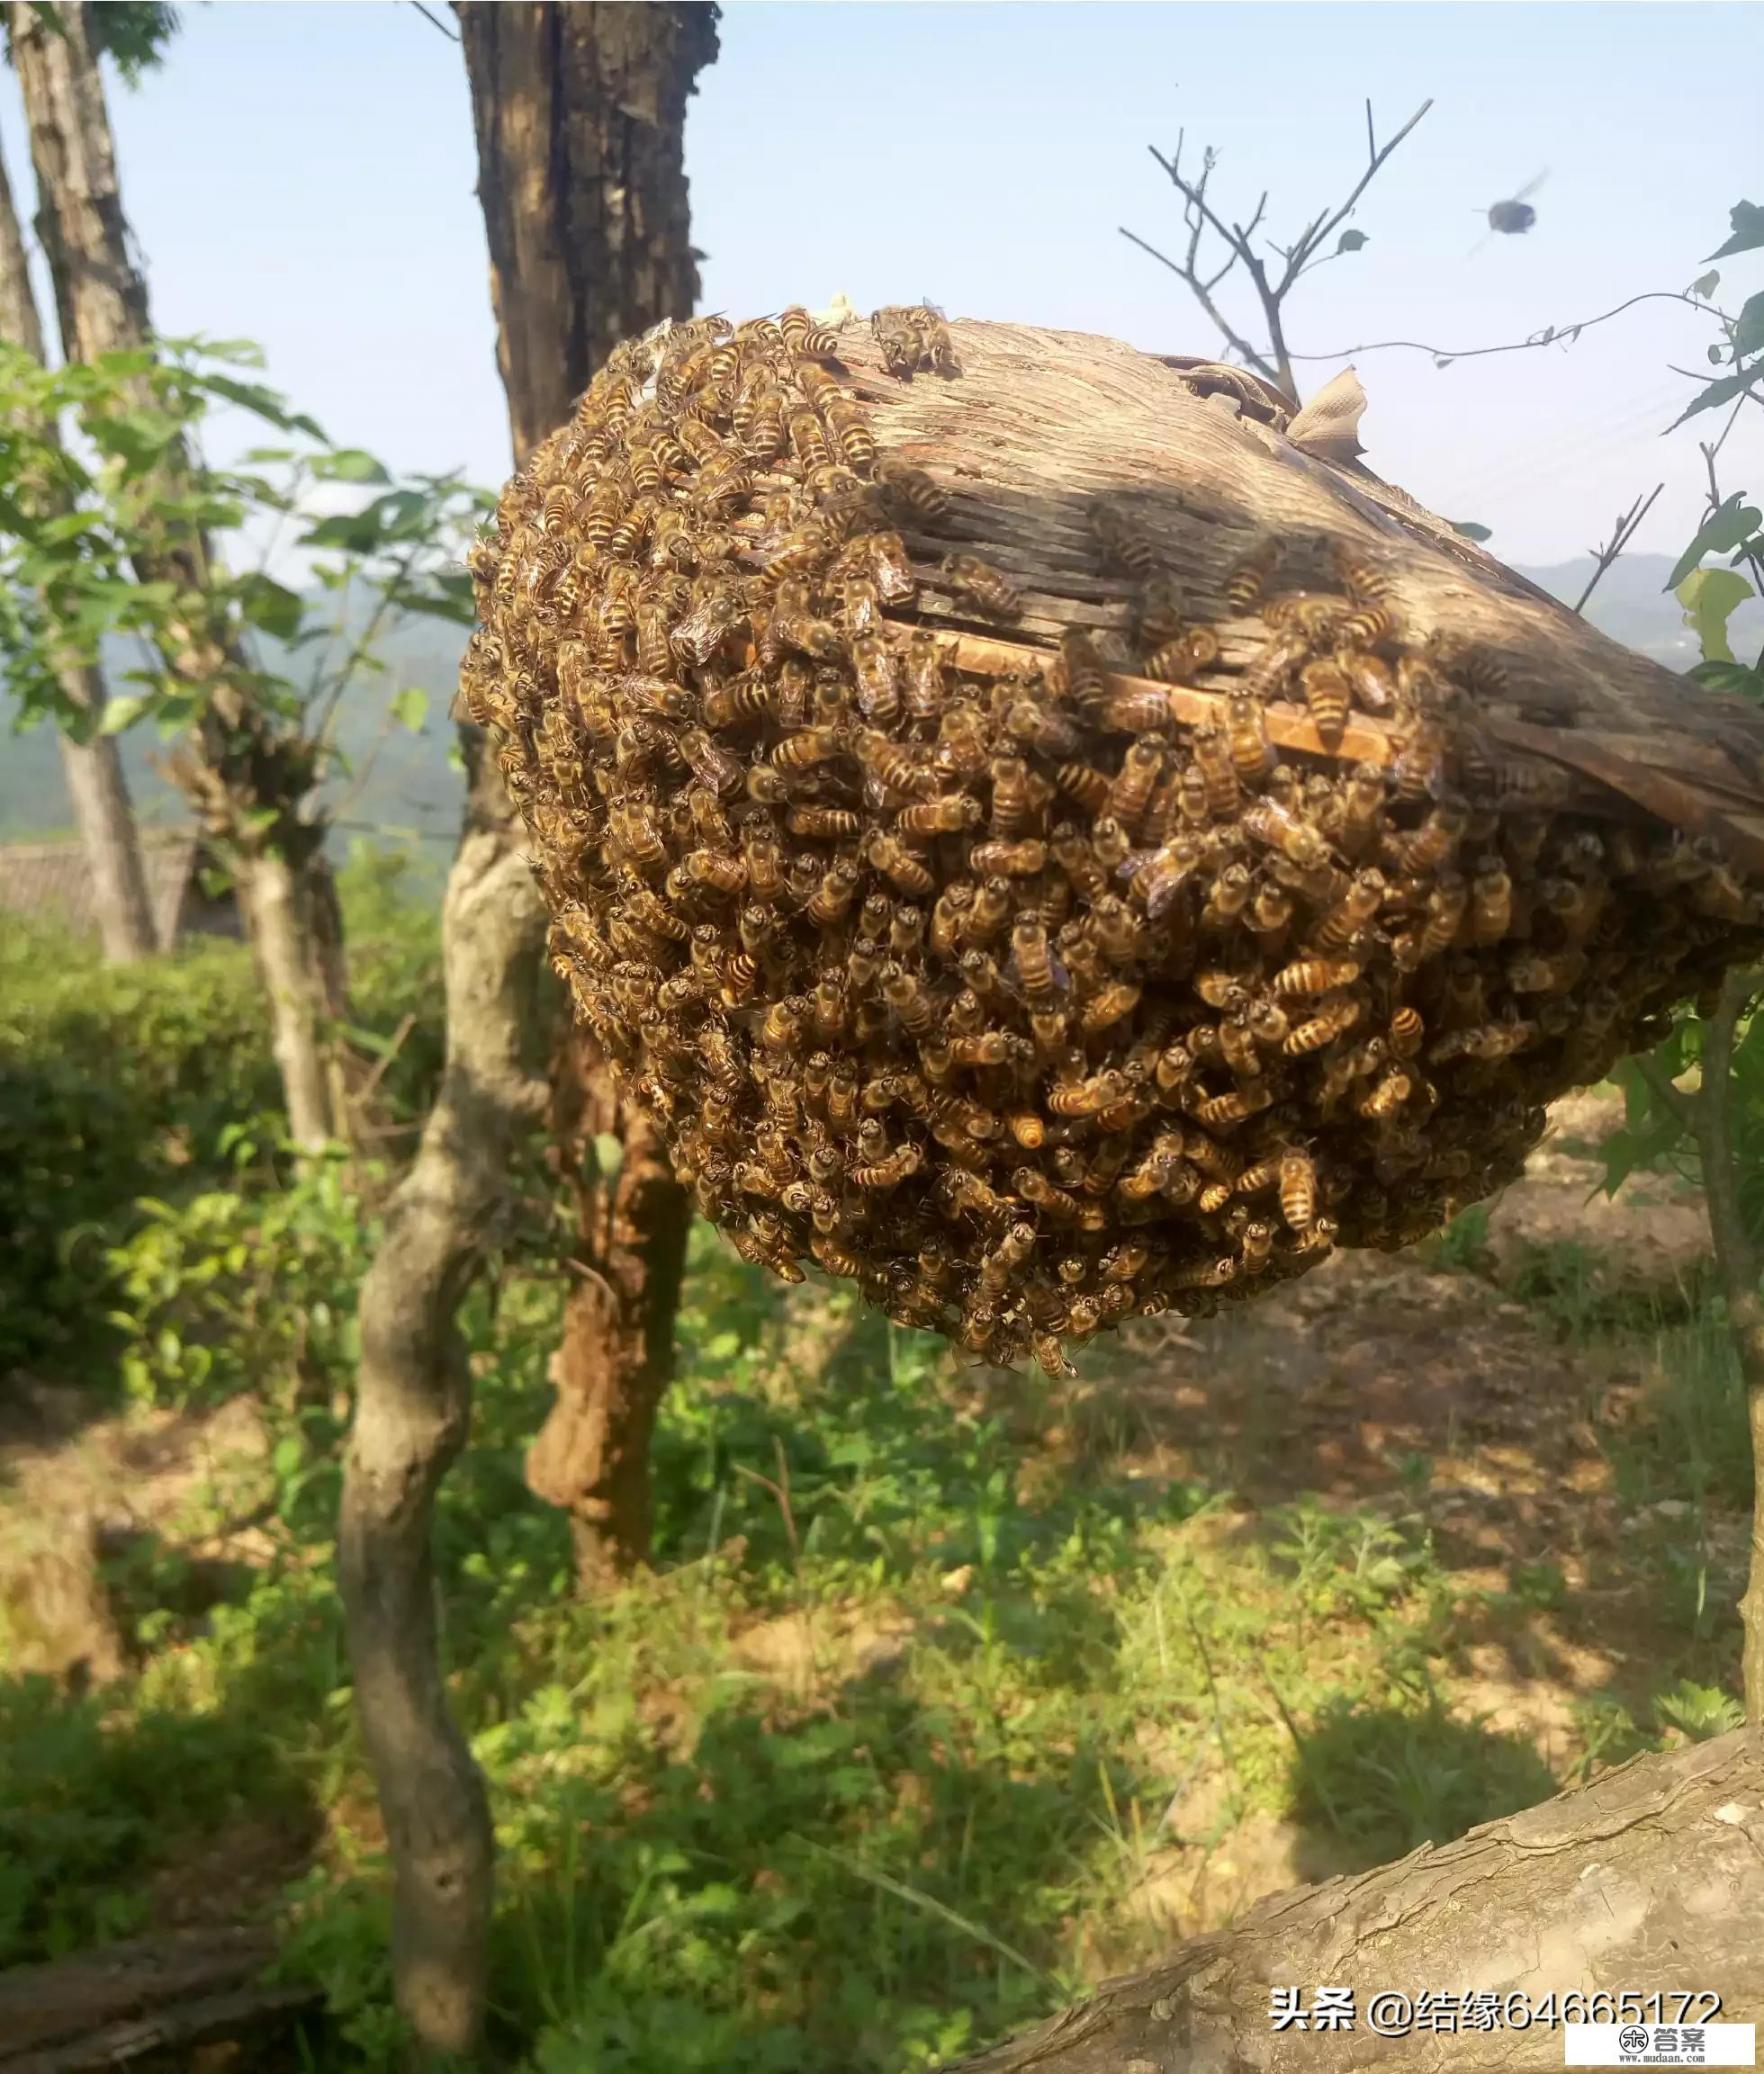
(1038, 423)
(183, 2001)
(1649, 1880)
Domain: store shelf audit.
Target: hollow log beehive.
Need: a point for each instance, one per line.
(1047, 845)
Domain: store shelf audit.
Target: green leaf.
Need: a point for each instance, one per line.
(1471, 530)
(1716, 354)
(348, 464)
(1718, 393)
(410, 708)
(1733, 677)
(1747, 220)
(456, 758)
(609, 1156)
(123, 712)
(350, 532)
(270, 606)
(1735, 521)
(1351, 241)
(1710, 598)
(1748, 328)
(1705, 286)
(263, 403)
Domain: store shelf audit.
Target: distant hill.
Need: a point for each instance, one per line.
(409, 793)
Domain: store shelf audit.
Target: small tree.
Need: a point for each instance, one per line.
(246, 674)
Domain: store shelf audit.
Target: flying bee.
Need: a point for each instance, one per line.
(981, 584)
(1328, 694)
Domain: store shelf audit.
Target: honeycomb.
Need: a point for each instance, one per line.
(978, 972)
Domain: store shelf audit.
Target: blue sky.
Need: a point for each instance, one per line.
(303, 174)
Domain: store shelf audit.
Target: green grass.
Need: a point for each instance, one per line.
(878, 1762)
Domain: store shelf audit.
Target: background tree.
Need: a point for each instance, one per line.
(245, 774)
(561, 97)
(580, 115)
(89, 757)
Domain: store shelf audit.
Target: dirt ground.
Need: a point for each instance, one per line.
(1375, 1379)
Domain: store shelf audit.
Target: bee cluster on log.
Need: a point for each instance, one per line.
(1014, 997)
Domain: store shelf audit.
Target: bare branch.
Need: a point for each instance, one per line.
(1307, 245)
(435, 21)
(1202, 292)
(1550, 335)
(1622, 534)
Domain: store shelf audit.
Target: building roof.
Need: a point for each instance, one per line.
(53, 879)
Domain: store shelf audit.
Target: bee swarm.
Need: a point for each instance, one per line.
(969, 967)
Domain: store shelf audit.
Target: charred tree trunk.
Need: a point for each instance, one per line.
(580, 114)
(95, 783)
(242, 763)
(413, 1410)
(1592, 1892)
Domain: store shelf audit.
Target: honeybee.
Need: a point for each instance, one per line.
(1121, 541)
(980, 583)
(1243, 587)
(1130, 793)
(1371, 680)
(1280, 829)
(1036, 971)
(896, 862)
(1356, 910)
(924, 499)
(1334, 1016)
(808, 745)
(1218, 770)
(949, 815)
(1315, 976)
(803, 338)
(878, 678)
(1227, 899)
(1434, 841)
(1328, 694)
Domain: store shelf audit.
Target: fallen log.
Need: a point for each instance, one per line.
(1650, 1880)
(181, 2002)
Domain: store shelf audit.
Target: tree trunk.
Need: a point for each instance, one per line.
(580, 114)
(93, 767)
(1649, 1880)
(592, 1456)
(242, 763)
(413, 1409)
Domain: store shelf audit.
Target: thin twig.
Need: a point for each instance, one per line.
(1603, 557)
(1550, 335)
(435, 21)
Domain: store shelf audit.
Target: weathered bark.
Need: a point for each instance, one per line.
(93, 767)
(242, 764)
(580, 114)
(1650, 1879)
(159, 2003)
(413, 1409)
(591, 1458)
